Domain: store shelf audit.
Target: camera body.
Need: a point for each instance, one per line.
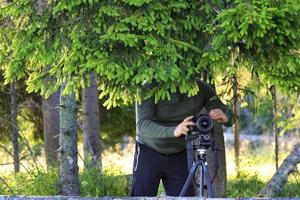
(200, 133)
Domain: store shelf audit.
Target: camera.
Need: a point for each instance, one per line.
(200, 133)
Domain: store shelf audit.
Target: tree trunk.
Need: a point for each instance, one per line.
(275, 125)
(217, 162)
(277, 182)
(68, 145)
(236, 126)
(51, 128)
(14, 110)
(50, 108)
(92, 154)
(14, 121)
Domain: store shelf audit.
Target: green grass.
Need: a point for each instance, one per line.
(244, 186)
(46, 183)
(257, 167)
(250, 185)
(37, 182)
(292, 188)
(113, 182)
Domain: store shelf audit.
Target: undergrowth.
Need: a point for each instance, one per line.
(112, 182)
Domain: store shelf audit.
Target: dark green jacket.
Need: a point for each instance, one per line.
(155, 123)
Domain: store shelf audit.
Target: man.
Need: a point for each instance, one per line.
(160, 149)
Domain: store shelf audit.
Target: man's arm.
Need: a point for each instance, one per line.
(147, 127)
(145, 124)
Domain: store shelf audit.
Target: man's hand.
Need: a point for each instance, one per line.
(218, 115)
(182, 128)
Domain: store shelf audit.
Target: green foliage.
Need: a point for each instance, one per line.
(289, 113)
(112, 182)
(146, 44)
(264, 113)
(116, 123)
(130, 42)
(267, 36)
(42, 183)
(29, 111)
(125, 42)
(244, 186)
(4, 110)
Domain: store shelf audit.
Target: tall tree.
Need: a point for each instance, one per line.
(68, 145)
(236, 126)
(14, 122)
(217, 162)
(129, 42)
(8, 23)
(275, 124)
(50, 107)
(234, 64)
(51, 128)
(90, 101)
(256, 27)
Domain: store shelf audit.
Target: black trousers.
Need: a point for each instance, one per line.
(151, 166)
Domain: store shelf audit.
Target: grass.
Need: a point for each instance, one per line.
(113, 182)
(250, 185)
(37, 182)
(257, 167)
(46, 183)
(244, 186)
(291, 189)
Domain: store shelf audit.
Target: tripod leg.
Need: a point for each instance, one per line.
(208, 181)
(188, 181)
(201, 182)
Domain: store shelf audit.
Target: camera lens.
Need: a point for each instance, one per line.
(204, 123)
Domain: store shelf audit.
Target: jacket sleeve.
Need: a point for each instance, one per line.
(145, 124)
(212, 101)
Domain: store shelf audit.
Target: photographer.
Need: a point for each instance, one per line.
(160, 149)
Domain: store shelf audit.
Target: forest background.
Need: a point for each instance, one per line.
(70, 72)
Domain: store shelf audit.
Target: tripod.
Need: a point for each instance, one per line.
(199, 161)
